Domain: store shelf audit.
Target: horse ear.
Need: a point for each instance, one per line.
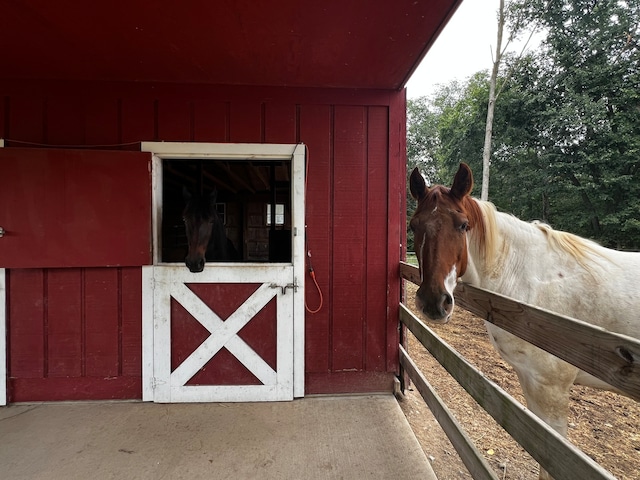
(417, 185)
(462, 182)
(213, 196)
(186, 194)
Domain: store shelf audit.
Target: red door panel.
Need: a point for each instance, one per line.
(73, 208)
(74, 334)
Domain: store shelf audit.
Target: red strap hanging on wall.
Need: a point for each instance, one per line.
(312, 273)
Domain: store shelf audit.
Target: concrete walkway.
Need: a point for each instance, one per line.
(360, 437)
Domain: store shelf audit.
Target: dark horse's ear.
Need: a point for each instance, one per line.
(186, 194)
(417, 185)
(462, 182)
(213, 196)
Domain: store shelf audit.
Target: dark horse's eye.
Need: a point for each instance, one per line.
(464, 227)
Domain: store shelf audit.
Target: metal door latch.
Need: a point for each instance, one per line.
(293, 286)
(1, 232)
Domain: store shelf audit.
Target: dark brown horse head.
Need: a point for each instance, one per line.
(440, 225)
(200, 219)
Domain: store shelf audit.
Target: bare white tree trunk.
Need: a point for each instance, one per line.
(488, 133)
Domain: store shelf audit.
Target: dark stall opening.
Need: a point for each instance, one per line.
(253, 200)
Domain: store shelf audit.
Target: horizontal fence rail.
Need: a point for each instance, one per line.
(611, 357)
(550, 449)
(469, 454)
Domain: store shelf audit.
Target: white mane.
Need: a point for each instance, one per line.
(503, 232)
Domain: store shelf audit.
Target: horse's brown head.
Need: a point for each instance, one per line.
(199, 217)
(440, 224)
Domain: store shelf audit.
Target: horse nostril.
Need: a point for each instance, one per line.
(448, 300)
(446, 303)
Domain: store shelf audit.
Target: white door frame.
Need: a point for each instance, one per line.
(3, 330)
(296, 153)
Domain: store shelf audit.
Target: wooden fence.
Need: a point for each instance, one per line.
(611, 357)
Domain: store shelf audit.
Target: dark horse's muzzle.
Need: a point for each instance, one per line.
(195, 264)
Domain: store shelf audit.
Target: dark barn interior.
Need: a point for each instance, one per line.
(249, 194)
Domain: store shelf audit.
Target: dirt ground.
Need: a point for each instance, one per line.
(606, 426)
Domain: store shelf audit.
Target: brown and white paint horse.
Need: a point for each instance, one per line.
(457, 236)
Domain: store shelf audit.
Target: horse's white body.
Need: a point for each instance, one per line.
(528, 262)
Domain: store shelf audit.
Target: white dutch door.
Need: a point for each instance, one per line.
(233, 332)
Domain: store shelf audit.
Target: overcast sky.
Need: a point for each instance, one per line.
(464, 47)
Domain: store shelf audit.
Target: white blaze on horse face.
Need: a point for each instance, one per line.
(450, 283)
(421, 254)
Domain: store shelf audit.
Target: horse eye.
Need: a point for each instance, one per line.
(464, 227)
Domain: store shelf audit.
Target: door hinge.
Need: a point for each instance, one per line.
(155, 382)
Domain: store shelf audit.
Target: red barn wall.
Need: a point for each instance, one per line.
(74, 333)
(355, 198)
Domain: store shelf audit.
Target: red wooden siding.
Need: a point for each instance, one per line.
(316, 129)
(74, 333)
(377, 297)
(396, 221)
(210, 121)
(355, 191)
(349, 234)
(63, 208)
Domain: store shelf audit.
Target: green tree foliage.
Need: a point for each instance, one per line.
(567, 127)
(585, 91)
(462, 127)
(422, 141)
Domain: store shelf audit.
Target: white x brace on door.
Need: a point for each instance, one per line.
(234, 332)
